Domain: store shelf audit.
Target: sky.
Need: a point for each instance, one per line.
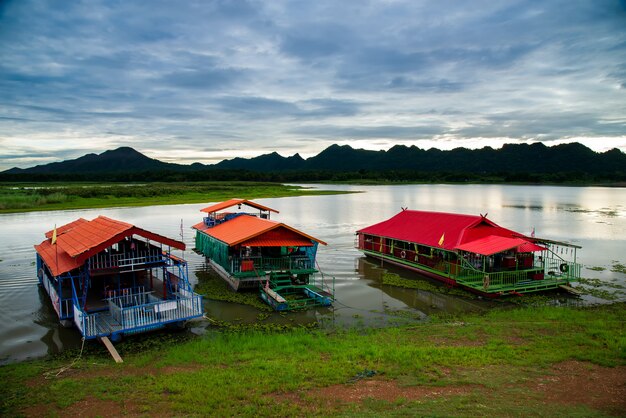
(187, 81)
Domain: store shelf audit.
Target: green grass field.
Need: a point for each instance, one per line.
(52, 196)
(510, 362)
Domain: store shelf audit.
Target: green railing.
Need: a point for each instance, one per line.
(552, 273)
(283, 295)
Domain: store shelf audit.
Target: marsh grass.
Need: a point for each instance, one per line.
(251, 372)
(30, 197)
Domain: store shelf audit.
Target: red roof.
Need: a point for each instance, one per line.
(236, 202)
(428, 228)
(492, 244)
(252, 231)
(79, 240)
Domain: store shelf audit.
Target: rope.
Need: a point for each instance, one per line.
(51, 375)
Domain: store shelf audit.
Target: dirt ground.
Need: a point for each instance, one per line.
(567, 383)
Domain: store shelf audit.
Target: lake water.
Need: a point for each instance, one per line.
(592, 217)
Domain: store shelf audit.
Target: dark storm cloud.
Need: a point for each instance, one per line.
(189, 75)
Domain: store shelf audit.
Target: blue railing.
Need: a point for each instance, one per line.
(137, 311)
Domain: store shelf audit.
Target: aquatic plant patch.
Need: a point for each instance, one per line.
(211, 286)
(618, 268)
(393, 279)
(601, 289)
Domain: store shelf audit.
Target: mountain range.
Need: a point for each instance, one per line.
(511, 158)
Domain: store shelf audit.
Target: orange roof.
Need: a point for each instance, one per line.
(243, 229)
(87, 235)
(235, 202)
(57, 260)
(201, 226)
(79, 240)
(63, 229)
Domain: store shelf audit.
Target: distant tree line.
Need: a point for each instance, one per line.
(394, 176)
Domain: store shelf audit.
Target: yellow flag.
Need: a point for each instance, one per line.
(54, 235)
(441, 239)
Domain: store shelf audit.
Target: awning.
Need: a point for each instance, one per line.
(286, 242)
(530, 247)
(493, 244)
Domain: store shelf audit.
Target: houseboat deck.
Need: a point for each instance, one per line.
(139, 311)
(470, 251)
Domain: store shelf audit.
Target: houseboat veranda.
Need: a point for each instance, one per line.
(472, 252)
(111, 278)
(250, 251)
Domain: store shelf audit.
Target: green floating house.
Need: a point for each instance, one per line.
(251, 251)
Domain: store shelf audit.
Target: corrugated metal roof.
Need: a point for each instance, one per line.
(63, 229)
(235, 202)
(491, 244)
(530, 247)
(200, 226)
(88, 235)
(244, 228)
(57, 260)
(429, 227)
(82, 239)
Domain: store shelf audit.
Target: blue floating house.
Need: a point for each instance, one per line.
(110, 278)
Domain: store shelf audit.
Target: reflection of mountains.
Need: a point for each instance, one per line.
(425, 301)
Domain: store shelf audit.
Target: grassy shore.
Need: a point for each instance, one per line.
(34, 197)
(546, 361)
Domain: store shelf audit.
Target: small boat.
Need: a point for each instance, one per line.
(471, 251)
(110, 278)
(250, 251)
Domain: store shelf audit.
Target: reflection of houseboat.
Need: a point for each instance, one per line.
(112, 278)
(249, 250)
(470, 251)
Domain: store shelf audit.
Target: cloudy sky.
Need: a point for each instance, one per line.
(186, 81)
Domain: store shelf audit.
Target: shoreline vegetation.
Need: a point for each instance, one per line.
(28, 197)
(562, 361)
(44, 196)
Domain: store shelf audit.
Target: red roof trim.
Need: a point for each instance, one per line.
(277, 242)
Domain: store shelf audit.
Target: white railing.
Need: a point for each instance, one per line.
(160, 312)
(105, 261)
(87, 324)
(128, 311)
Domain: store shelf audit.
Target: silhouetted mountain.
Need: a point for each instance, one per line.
(123, 159)
(265, 162)
(513, 162)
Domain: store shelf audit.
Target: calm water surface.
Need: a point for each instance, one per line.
(592, 217)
